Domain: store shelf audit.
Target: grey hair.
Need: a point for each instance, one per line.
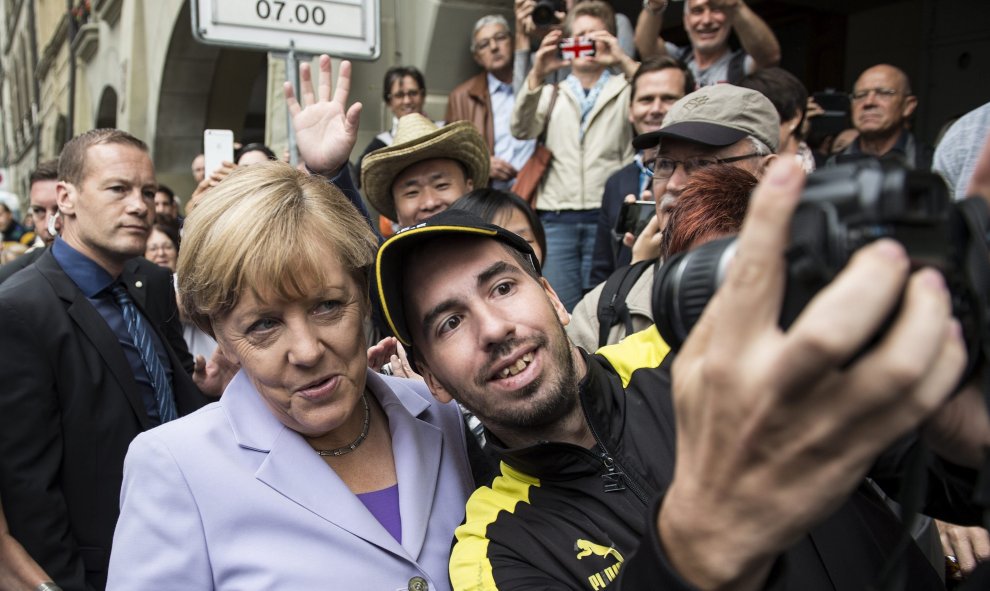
(759, 147)
(489, 19)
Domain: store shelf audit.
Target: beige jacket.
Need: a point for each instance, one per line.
(576, 176)
(583, 327)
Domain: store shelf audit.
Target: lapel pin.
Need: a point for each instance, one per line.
(138, 284)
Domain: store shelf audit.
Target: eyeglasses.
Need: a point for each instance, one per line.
(401, 95)
(663, 168)
(166, 247)
(486, 43)
(884, 94)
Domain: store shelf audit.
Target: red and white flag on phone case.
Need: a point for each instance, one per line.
(575, 47)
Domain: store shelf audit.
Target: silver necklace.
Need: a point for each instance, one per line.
(340, 451)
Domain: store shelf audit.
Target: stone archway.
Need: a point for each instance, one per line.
(202, 87)
(106, 113)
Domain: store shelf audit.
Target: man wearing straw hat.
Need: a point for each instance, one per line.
(425, 169)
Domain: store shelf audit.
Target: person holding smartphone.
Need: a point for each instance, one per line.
(587, 132)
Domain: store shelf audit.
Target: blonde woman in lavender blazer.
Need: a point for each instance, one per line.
(310, 472)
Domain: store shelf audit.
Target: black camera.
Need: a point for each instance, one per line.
(834, 120)
(544, 12)
(842, 209)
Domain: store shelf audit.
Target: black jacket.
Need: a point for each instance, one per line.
(69, 407)
(563, 517)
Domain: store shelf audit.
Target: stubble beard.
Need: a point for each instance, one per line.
(558, 400)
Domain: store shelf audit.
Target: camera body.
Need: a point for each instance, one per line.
(544, 12)
(835, 118)
(842, 209)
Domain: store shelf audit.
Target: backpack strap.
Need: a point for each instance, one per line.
(612, 306)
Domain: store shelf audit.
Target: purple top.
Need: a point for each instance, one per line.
(384, 505)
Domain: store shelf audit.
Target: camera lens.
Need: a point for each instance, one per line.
(683, 286)
(543, 13)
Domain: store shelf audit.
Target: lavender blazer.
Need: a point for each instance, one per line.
(229, 498)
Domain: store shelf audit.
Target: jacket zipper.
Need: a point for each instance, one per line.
(614, 479)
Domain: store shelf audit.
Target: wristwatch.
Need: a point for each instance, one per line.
(654, 11)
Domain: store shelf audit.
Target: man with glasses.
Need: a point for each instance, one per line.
(882, 105)
(486, 100)
(404, 93)
(721, 124)
(656, 86)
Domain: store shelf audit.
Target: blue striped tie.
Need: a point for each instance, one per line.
(138, 328)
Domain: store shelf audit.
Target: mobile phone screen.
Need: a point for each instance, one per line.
(218, 147)
(634, 216)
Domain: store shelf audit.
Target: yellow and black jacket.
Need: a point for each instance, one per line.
(560, 516)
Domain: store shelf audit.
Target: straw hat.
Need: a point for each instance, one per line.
(418, 139)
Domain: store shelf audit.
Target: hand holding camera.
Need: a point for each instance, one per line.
(539, 14)
(756, 404)
(549, 12)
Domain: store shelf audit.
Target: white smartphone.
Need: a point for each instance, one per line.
(218, 147)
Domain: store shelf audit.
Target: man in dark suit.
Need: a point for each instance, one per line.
(657, 85)
(93, 355)
(44, 209)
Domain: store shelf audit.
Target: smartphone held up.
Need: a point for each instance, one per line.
(218, 147)
(633, 217)
(572, 48)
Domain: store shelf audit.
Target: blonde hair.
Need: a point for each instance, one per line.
(268, 228)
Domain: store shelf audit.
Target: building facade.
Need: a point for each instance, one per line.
(137, 67)
(70, 65)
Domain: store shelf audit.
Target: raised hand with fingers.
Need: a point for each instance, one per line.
(326, 128)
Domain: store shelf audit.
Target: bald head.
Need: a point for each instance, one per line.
(882, 102)
(894, 75)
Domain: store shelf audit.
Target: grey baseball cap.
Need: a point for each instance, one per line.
(718, 115)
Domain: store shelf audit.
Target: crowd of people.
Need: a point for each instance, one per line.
(463, 386)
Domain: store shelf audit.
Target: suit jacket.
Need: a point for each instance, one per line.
(230, 498)
(470, 101)
(606, 258)
(69, 407)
